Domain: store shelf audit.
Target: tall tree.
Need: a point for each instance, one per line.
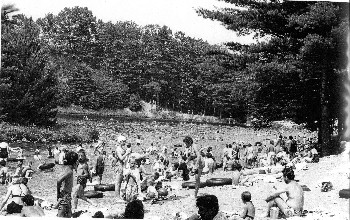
(295, 76)
(27, 80)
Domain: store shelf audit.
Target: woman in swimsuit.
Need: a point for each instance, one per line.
(15, 192)
(122, 155)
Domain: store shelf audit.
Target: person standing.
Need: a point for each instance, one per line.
(100, 165)
(4, 151)
(64, 197)
(122, 154)
(199, 165)
(83, 175)
(293, 147)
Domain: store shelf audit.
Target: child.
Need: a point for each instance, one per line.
(64, 195)
(37, 155)
(133, 182)
(237, 174)
(157, 165)
(151, 190)
(83, 175)
(248, 212)
(100, 165)
(30, 209)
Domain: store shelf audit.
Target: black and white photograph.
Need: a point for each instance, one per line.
(175, 109)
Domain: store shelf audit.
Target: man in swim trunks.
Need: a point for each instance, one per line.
(293, 206)
(122, 156)
(83, 175)
(199, 165)
(66, 178)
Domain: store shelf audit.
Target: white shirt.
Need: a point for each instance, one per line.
(61, 158)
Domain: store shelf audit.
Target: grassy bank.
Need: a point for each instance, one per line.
(64, 132)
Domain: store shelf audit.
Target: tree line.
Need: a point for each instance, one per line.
(74, 58)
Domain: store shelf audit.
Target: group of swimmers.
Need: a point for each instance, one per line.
(128, 167)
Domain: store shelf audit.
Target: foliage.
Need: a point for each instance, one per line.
(27, 80)
(295, 77)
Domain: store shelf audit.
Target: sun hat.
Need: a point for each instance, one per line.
(121, 138)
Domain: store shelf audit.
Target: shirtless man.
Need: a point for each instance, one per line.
(199, 165)
(122, 156)
(293, 206)
(271, 154)
(64, 195)
(83, 175)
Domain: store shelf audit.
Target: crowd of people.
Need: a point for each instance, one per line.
(133, 183)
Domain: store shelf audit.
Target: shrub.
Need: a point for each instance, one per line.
(135, 103)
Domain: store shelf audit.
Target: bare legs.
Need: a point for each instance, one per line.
(118, 183)
(198, 182)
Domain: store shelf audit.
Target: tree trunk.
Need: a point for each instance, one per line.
(324, 131)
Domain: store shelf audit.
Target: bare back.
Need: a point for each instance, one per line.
(68, 182)
(295, 196)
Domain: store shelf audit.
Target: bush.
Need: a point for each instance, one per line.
(135, 103)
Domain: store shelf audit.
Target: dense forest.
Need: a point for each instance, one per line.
(74, 58)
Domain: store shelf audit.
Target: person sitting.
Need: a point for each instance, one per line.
(151, 190)
(30, 209)
(238, 176)
(16, 191)
(173, 171)
(248, 212)
(208, 209)
(208, 164)
(27, 170)
(19, 169)
(183, 169)
(312, 155)
(146, 181)
(4, 173)
(157, 165)
(293, 206)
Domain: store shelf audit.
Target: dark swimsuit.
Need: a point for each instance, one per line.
(3, 153)
(13, 207)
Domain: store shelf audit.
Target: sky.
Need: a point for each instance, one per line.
(179, 15)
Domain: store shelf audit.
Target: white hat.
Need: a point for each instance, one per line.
(121, 138)
(4, 145)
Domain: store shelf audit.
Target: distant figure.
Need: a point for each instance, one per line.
(100, 164)
(50, 152)
(56, 154)
(37, 155)
(99, 148)
(4, 151)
